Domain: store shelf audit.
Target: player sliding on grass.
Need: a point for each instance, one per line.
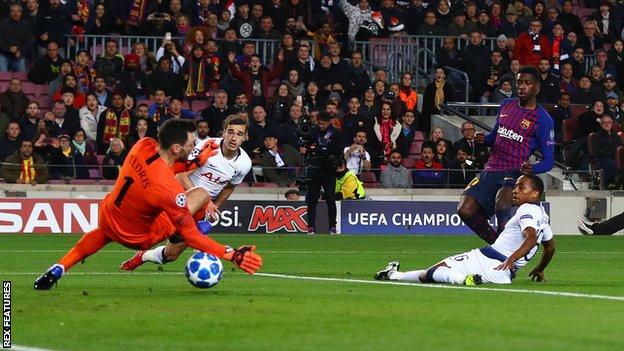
(147, 205)
(521, 127)
(213, 180)
(499, 262)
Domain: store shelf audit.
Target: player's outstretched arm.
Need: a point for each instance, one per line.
(537, 274)
(530, 240)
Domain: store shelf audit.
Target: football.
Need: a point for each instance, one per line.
(203, 270)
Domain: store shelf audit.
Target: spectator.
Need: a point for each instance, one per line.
(352, 121)
(609, 24)
(498, 68)
(311, 98)
(530, 47)
(560, 113)
(323, 38)
(217, 112)
(141, 130)
(605, 144)
(348, 186)
(201, 133)
(13, 101)
(24, 167)
(436, 93)
(357, 15)
(255, 80)
(572, 21)
(408, 133)
(460, 27)
(609, 86)
(615, 58)
(113, 123)
(259, 127)
(406, 94)
(442, 154)
(567, 83)
(461, 169)
(549, 85)
(588, 123)
(195, 71)
(166, 80)
(477, 151)
(476, 57)
(99, 22)
(431, 25)
(590, 39)
(47, 67)
(29, 123)
(436, 134)
(356, 156)
(169, 50)
(503, 92)
(114, 159)
(602, 62)
(82, 70)
(288, 129)
(280, 103)
(57, 84)
(414, 15)
(303, 63)
(612, 108)
(586, 93)
(110, 64)
(267, 31)
(70, 84)
(395, 175)
(85, 147)
(67, 162)
(292, 195)
(449, 54)
(16, 41)
(133, 81)
(561, 47)
(241, 104)
(62, 121)
(147, 60)
(12, 140)
(279, 163)
(578, 63)
(52, 24)
(89, 116)
(428, 170)
(387, 128)
(100, 91)
(176, 111)
(512, 27)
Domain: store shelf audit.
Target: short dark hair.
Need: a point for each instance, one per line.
(175, 131)
(536, 182)
(27, 141)
(324, 116)
(532, 71)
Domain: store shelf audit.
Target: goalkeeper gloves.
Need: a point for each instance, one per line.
(244, 257)
(199, 156)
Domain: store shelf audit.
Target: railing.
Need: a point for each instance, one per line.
(466, 80)
(95, 45)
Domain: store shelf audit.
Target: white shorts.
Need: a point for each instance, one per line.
(475, 262)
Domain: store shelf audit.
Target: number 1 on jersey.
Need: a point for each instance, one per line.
(124, 189)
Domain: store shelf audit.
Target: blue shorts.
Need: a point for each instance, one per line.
(485, 185)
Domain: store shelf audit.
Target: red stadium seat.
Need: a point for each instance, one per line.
(408, 162)
(590, 143)
(23, 76)
(199, 105)
(418, 135)
(368, 177)
(264, 185)
(186, 105)
(415, 147)
(569, 128)
(95, 174)
(578, 110)
(5, 76)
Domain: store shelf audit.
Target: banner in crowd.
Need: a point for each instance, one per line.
(404, 217)
(26, 215)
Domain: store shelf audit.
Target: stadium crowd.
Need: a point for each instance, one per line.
(96, 108)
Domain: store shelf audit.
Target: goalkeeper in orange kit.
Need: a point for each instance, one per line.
(146, 188)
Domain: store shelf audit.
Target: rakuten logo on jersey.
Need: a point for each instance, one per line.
(509, 134)
(276, 218)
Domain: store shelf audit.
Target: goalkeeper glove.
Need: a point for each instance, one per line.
(244, 257)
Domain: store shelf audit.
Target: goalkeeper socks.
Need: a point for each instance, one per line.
(446, 275)
(480, 225)
(155, 255)
(412, 276)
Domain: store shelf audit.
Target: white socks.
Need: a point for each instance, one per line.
(154, 255)
(412, 276)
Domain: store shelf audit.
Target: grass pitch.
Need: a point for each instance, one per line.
(95, 307)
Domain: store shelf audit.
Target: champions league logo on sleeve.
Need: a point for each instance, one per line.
(181, 199)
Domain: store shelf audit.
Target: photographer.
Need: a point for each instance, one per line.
(323, 149)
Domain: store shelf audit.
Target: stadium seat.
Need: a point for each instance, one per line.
(578, 110)
(569, 128)
(619, 158)
(199, 105)
(408, 162)
(264, 185)
(590, 144)
(95, 174)
(368, 177)
(5, 76)
(186, 105)
(107, 182)
(418, 135)
(374, 185)
(23, 76)
(415, 147)
(148, 102)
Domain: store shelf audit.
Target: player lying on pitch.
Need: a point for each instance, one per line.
(496, 263)
(213, 181)
(148, 204)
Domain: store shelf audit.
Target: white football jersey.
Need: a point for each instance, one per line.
(219, 171)
(510, 240)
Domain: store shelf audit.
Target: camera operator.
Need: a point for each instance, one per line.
(323, 150)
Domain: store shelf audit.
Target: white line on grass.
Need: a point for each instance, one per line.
(361, 281)
(441, 286)
(27, 348)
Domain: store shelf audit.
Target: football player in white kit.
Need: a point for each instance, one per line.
(217, 176)
(499, 262)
